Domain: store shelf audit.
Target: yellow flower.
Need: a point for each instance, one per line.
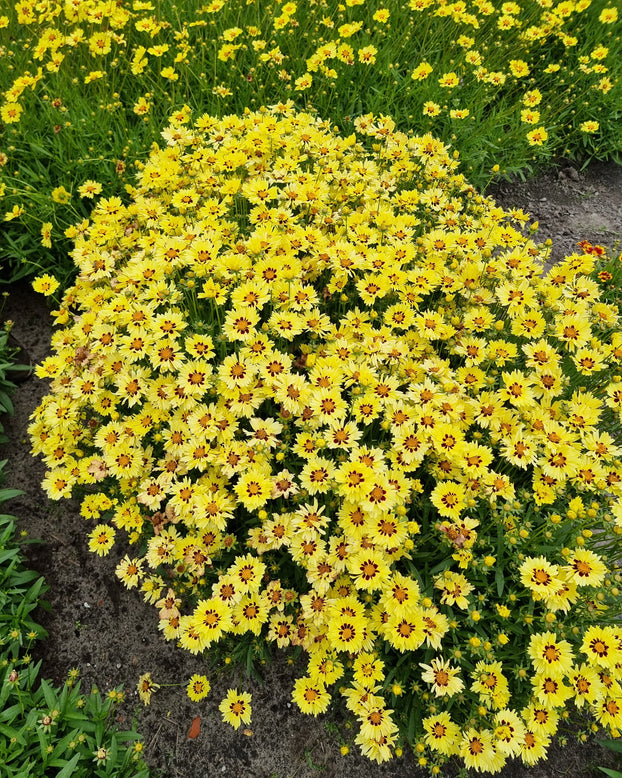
(10, 113)
(519, 68)
(304, 82)
(93, 75)
(129, 571)
(549, 655)
(431, 108)
(227, 51)
(45, 284)
(608, 15)
(448, 80)
(198, 687)
(89, 188)
(101, 539)
(529, 116)
(61, 195)
(589, 126)
(15, 212)
(141, 106)
(443, 677)
(46, 234)
(146, 687)
(537, 137)
(310, 695)
(367, 55)
(421, 72)
(236, 708)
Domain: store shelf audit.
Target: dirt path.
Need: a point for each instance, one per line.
(111, 635)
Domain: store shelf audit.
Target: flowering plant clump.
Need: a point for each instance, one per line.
(333, 401)
(87, 86)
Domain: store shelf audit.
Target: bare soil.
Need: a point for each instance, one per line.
(111, 635)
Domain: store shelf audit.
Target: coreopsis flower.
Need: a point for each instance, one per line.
(444, 678)
(101, 539)
(236, 708)
(198, 688)
(45, 284)
(537, 137)
(589, 127)
(549, 655)
(310, 695)
(478, 751)
(61, 195)
(129, 571)
(89, 188)
(608, 15)
(421, 72)
(601, 646)
(10, 113)
(146, 687)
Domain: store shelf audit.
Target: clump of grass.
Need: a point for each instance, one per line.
(329, 396)
(44, 728)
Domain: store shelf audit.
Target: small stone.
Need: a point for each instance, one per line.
(571, 173)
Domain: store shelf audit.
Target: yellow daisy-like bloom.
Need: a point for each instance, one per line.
(45, 284)
(89, 188)
(509, 732)
(10, 113)
(236, 708)
(442, 734)
(587, 685)
(537, 137)
(449, 498)
(422, 71)
(146, 687)
(589, 127)
(455, 589)
(586, 567)
(198, 688)
(601, 645)
(539, 575)
(533, 747)
(129, 571)
(211, 618)
(478, 751)
(608, 15)
(443, 677)
(310, 695)
(550, 655)
(101, 539)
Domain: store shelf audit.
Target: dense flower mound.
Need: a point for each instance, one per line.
(333, 400)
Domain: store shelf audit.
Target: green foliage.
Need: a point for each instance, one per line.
(616, 746)
(44, 730)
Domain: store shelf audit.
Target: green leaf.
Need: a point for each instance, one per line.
(610, 773)
(9, 732)
(9, 494)
(48, 693)
(612, 745)
(68, 769)
(500, 581)
(6, 403)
